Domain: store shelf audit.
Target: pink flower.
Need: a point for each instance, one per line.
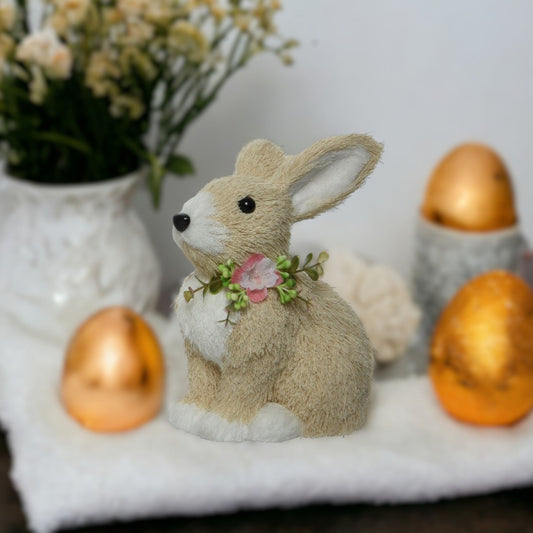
(256, 275)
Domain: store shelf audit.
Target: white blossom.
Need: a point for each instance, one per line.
(43, 48)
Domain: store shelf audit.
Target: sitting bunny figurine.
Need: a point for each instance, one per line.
(271, 355)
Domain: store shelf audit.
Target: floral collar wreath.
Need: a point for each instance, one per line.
(250, 282)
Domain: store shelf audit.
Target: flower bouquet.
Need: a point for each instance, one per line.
(91, 91)
(98, 88)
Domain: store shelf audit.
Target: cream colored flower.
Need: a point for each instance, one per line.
(44, 49)
(102, 73)
(112, 16)
(287, 59)
(75, 11)
(257, 47)
(126, 105)
(218, 12)
(265, 15)
(159, 12)
(191, 5)
(59, 22)
(138, 32)
(7, 15)
(132, 7)
(242, 21)
(131, 57)
(187, 39)
(60, 64)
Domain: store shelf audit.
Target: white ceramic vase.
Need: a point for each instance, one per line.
(68, 250)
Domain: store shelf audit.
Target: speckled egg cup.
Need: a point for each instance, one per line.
(446, 258)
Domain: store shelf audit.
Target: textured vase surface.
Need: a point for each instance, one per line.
(445, 259)
(67, 251)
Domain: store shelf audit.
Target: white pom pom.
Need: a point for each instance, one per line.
(380, 298)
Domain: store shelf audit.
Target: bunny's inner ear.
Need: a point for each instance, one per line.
(259, 158)
(322, 176)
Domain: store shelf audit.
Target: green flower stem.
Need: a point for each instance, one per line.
(58, 138)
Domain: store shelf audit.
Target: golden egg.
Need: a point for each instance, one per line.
(482, 351)
(113, 376)
(470, 189)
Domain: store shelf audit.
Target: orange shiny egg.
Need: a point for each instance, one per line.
(113, 376)
(482, 351)
(470, 189)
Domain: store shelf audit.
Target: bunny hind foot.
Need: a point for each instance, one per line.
(273, 423)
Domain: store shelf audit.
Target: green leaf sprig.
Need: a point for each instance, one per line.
(288, 268)
(238, 299)
(220, 280)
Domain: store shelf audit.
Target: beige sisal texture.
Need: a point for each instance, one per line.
(313, 359)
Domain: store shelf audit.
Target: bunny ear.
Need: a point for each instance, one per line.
(260, 158)
(322, 176)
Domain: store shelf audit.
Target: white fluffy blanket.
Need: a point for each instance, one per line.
(409, 451)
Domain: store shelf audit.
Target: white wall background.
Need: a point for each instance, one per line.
(419, 76)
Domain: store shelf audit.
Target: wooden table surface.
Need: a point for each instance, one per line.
(503, 512)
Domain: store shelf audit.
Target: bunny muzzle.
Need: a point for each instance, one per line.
(196, 226)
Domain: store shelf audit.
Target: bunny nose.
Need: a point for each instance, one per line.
(181, 221)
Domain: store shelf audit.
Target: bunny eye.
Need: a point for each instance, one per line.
(247, 205)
